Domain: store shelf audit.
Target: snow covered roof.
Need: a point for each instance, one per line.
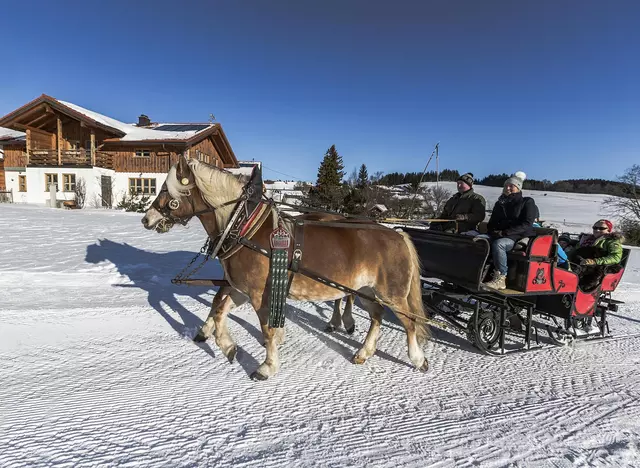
(133, 132)
(281, 185)
(243, 171)
(8, 134)
(293, 194)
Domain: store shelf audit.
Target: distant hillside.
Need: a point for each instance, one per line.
(594, 186)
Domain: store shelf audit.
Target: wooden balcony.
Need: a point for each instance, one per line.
(50, 157)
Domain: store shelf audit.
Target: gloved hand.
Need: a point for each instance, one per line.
(587, 261)
(461, 217)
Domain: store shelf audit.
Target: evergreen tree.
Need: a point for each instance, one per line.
(331, 169)
(363, 176)
(329, 192)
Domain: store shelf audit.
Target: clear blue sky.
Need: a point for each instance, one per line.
(548, 87)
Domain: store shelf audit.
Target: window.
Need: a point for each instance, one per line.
(50, 179)
(69, 182)
(144, 153)
(22, 183)
(202, 157)
(145, 186)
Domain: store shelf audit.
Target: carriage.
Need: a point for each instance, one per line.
(540, 296)
(317, 258)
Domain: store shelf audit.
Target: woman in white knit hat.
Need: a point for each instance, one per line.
(512, 219)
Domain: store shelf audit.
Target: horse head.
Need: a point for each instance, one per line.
(192, 188)
(178, 201)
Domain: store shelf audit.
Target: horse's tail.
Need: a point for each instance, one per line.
(415, 291)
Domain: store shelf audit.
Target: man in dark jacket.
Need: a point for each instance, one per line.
(466, 207)
(512, 219)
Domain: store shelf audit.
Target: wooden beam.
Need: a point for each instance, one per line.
(28, 115)
(43, 119)
(59, 122)
(47, 109)
(28, 144)
(24, 128)
(93, 147)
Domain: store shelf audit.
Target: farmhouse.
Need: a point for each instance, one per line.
(51, 142)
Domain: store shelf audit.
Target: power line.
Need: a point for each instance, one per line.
(282, 173)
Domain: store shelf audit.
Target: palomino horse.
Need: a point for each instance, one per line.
(221, 304)
(379, 263)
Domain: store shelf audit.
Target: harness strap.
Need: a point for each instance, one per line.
(298, 245)
(310, 274)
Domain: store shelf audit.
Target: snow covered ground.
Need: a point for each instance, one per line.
(98, 369)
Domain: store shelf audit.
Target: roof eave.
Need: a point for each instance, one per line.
(53, 102)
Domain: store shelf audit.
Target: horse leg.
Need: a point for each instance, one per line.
(207, 328)
(376, 311)
(335, 321)
(416, 355)
(347, 316)
(221, 332)
(271, 364)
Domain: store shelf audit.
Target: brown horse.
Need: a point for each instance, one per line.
(380, 263)
(221, 305)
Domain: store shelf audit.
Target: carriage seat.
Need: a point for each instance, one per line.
(542, 247)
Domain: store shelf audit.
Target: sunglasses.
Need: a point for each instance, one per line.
(599, 228)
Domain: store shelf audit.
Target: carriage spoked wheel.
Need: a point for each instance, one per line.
(483, 330)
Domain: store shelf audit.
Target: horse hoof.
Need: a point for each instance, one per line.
(200, 338)
(358, 360)
(424, 367)
(231, 354)
(258, 376)
(350, 330)
(330, 329)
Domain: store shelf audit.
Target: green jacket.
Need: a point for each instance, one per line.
(470, 205)
(611, 245)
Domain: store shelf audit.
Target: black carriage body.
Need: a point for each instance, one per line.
(535, 283)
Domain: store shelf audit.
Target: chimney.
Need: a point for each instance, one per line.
(143, 121)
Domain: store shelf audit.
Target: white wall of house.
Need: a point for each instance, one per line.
(36, 180)
(11, 181)
(122, 182)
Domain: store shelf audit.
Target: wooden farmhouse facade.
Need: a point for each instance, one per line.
(57, 142)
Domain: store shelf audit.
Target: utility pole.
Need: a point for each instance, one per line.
(437, 166)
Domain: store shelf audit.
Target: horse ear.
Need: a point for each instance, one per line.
(183, 171)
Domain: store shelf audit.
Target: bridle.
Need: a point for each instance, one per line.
(167, 211)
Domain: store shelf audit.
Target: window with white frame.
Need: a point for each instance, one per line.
(143, 153)
(69, 182)
(142, 185)
(50, 179)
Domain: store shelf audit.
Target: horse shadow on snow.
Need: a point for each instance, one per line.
(152, 272)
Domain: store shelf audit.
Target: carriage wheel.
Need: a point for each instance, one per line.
(486, 333)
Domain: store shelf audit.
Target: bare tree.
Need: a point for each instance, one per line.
(80, 192)
(353, 178)
(627, 207)
(435, 198)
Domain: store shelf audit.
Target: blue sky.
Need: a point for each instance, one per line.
(548, 87)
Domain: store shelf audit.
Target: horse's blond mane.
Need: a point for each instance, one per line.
(217, 187)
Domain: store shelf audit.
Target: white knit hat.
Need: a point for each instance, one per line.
(516, 179)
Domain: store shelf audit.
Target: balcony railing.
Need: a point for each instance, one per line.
(69, 158)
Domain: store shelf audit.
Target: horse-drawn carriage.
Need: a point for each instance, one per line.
(539, 294)
(267, 257)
